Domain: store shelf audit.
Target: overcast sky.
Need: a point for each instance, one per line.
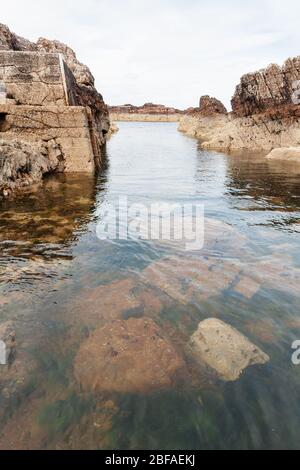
(164, 51)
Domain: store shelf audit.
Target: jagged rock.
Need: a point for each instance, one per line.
(224, 349)
(266, 113)
(266, 89)
(131, 356)
(10, 41)
(209, 106)
(22, 164)
(86, 93)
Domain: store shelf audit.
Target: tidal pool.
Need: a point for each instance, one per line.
(59, 284)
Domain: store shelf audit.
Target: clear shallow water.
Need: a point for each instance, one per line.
(59, 282)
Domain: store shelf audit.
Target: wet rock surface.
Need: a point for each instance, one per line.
(224, 349)
(22, 164)
(128, 356)
(191, 280)
(290, 154)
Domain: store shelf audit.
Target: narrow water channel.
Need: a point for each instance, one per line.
(59, 282)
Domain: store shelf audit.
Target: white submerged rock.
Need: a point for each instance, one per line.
(290, 154)
(224, 349)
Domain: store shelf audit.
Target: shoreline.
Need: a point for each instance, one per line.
(115, 117)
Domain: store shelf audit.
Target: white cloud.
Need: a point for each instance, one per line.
(168, 51)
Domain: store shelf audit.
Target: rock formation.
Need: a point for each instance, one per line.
(267, 89)
(210, 106)
(290, 154)
(22, 164)
(48, 100)
(224, 349)
(147, 112)
(266, 113)
(132, 356)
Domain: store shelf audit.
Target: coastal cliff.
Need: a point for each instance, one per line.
(149, 112)
(52, 118)
(265, 113)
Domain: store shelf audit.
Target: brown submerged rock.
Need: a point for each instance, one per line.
(188, 280)
(115, 301)
(130, 356)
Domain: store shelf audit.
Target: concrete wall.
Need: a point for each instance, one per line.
(33, 79)
(67, 127)
(38, 102)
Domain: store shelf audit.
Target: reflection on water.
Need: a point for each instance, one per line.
(62, 290)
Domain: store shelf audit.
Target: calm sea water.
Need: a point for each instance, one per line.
(59, 282)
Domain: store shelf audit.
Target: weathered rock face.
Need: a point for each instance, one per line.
(47, 95)
(291, 154)
(147, 112)
(210, 106)
(32, 79)
(147, 108)
(224, 349)
(86, 93)
(130, 356)
(269, 88)
(65, 129)
(22, 164)
(266, 113)
(10, 41)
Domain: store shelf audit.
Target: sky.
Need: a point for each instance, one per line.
(164, 51)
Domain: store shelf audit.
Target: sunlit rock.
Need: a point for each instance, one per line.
(290, 154)
(224, 349)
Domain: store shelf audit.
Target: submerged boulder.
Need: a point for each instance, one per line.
(224, 349)
(132, 356)
(290, 154)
